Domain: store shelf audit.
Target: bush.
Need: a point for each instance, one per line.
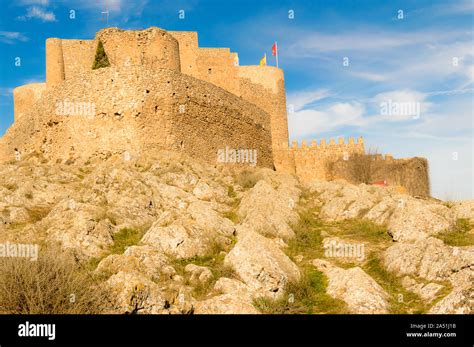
(247, 178)
(308, 295)
(101, 59)
(124, 238)
(54, 284)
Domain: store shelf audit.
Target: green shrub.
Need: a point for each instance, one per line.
(306, 296)
(248, 178)
(124, 238)
(101, 59)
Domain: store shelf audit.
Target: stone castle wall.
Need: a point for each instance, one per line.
(311, 160)
(138, 110)
(25, 96)
(164, 91)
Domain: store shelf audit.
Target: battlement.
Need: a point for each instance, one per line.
(341, 142)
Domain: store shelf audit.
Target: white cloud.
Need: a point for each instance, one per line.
(301, 99)
(401, 105)
(11, 37)
(123, 6)
(308, 122)
(6, 91)
(371, 76)
(33, 2)
(38, 12)
(370, 39)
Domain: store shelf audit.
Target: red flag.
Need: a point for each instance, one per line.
(274, 49)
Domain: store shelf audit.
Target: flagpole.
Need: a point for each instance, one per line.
(276, 44)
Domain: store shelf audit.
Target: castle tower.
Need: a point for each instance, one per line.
(265, 87)
(153, 47)
(54, 62)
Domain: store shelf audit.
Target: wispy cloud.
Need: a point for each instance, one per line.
(39, 13)
(11, 37)
(33, 2)
(6, 91)
(303, 99)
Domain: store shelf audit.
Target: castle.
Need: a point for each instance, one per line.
(163, 91)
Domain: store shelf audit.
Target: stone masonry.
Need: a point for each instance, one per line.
(161, 91)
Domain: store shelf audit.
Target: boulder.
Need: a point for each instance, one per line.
(459, 301)
(268, 211)
(427, 292)
(464, 209)
(177, 241)
(261, 264)
(359, 291)
(133, 293)
(145, 260)
(430, 259)
(236, 298)
(199, 274)
(80, 229)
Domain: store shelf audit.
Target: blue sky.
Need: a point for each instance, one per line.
(422, 56)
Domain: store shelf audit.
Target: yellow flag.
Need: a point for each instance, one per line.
(263, 61)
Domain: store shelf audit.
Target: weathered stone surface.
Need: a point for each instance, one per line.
(261, 264)
(177, 241)
(406, 218)
(190, 232)
(202, 191)
(133, 293)
(208, 219)
(350, 202)
(268, 211)
(225, 304)
(459, 301)
(236, 298)
(413, 219)
(427, 292)
(79, 228)
(464, 209)
(146, 260)
(199, 274)
(360, 292)
(430, 259)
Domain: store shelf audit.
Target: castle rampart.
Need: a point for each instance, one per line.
(311, 161)
(25, 96)
(163, 91)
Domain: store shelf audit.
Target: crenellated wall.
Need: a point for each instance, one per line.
(311, 160)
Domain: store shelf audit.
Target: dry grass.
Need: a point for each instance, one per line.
(247, 178)
(401, 300)
(461, 235)
(214, 260)
(306, 296)
(54, 284)
(124, 238)
(38, 213)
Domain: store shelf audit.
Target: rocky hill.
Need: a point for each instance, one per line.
(171, 234)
